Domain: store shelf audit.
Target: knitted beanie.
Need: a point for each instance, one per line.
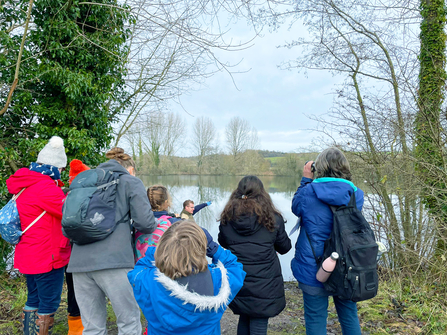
(53, 153)
(76, 167)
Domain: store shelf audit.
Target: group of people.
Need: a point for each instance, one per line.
(156, 262)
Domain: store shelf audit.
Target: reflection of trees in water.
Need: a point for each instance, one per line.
(223, 183)
(216, 189)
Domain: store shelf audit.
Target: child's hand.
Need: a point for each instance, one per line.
(208, 203)
(212, 246)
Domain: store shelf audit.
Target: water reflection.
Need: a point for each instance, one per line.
(217, 189)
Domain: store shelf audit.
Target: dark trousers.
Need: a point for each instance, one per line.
(44, 290)
(252, 326)
(72, 308)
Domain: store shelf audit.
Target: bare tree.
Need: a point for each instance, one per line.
(153, 139)
(174, 131)
(237, 134)
(160, 135)
(172, 47)
(253, 143)
(204, 134)
(373, 114)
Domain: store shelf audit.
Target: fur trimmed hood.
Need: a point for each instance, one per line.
(201, 302)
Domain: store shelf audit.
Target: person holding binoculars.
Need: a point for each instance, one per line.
(325, 182)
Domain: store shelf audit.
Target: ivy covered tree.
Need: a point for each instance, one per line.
(431, 93)
(61, 72)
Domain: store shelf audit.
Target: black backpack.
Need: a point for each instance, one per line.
(355, 275)
(88, 214)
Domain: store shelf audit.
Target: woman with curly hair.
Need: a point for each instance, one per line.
(253, 229)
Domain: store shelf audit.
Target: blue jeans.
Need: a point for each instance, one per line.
(252, 326)
(315, 315)
(44, 290)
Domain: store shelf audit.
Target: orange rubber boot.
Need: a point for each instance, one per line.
(75, 326)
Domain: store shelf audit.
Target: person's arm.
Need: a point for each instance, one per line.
(235, 272)
(140, 278)
(282, 242)
(221, 238)
(200, 206)
(51, 199)
(308, 176)
(299, 196)
(359, 199)
(140, 208)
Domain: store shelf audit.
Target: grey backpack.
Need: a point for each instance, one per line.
(88, 214)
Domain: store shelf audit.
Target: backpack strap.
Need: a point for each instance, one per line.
(113, 182)
(317, 259)
(15, 196)
(35, 220)
(351, 203)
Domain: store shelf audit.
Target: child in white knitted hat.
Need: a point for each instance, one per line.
(42, 252)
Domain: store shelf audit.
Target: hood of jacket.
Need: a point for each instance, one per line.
(334, 191)
(176, 309)
(246, 225)
(24, 178)
(113, 165)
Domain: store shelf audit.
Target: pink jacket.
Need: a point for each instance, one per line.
(43, 247)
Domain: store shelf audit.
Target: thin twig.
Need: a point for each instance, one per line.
(16, 75)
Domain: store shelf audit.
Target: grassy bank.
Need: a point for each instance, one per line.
(401, 307)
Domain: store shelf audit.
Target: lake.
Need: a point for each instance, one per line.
(217, 189)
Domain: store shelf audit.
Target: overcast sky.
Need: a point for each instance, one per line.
(276, 102)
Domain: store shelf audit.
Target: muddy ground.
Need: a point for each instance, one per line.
(290, 321)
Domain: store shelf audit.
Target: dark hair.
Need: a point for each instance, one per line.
(250, 198)
(187, 202)
(121, 157)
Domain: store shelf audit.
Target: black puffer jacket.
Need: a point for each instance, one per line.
(255, 247)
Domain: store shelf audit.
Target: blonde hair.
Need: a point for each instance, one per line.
(121, 157)
(181, 250)
(332, 163)
(159, 197)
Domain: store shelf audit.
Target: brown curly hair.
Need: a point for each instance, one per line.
(250, 198)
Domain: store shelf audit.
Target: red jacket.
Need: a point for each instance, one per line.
(43, 247)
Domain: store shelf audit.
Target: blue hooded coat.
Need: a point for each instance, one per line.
(170, 308)
(311, 203)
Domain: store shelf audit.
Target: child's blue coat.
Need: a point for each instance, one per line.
(171, 309)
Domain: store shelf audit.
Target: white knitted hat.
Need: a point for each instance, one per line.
(53, 153)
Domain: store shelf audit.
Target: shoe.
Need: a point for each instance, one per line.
(29, 321)
(44, 324)
(75, 326)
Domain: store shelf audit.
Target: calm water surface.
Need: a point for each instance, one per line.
(217, 189)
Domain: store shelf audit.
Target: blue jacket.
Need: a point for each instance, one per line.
(311, 202)
(170, 308)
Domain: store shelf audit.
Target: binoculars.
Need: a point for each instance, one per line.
(312, 167)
